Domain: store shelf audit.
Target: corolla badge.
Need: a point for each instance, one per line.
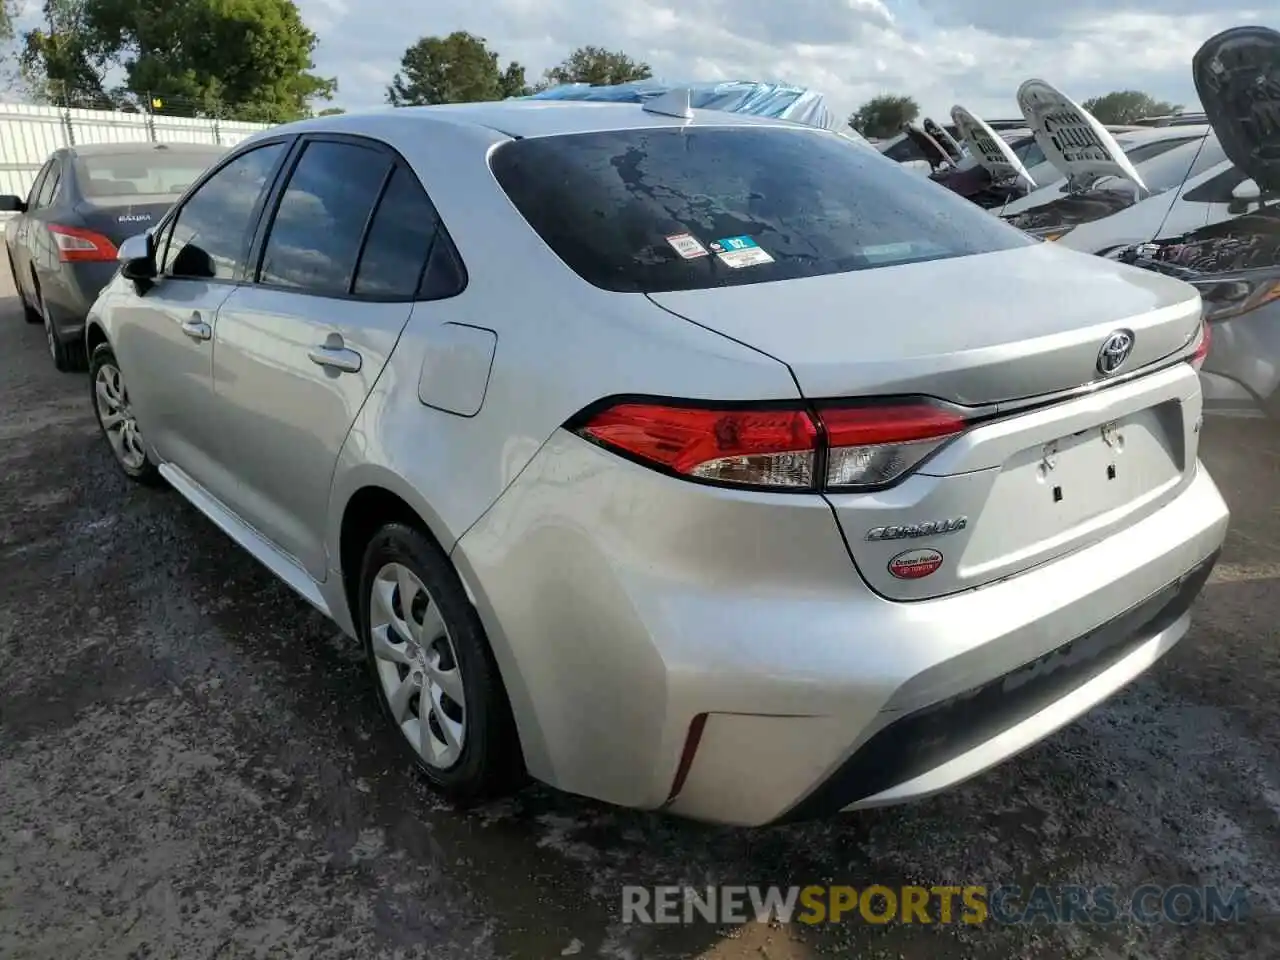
(1115, 351)
(133, 218)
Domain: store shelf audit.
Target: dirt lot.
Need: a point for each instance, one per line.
(192, 765)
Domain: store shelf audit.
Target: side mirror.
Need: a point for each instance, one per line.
(1245, 195)
(1247, 190)
(137, 259)
(11, 204)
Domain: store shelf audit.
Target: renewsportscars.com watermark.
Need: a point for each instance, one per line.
(973, 905)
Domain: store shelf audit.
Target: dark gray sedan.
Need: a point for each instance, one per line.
(84, 202)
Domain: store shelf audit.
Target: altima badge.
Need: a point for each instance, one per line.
(910, 531)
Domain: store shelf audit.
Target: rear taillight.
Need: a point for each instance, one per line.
(874, 445)
(1202, 347)
(833, 447)
(77, 245)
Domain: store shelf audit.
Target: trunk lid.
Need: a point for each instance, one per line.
(1030, 322)
(989, 148)
(943, 139)
(1033, 478)
(1071, 137)
(118, 218)
(1237, 76)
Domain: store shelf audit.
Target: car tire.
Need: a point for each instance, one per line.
(29, 313)
(110, 398)
(469, 751)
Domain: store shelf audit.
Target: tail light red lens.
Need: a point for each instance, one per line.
(756, 447)
(872, 446)
(790, 448)
(1202, 348)
(78, 245)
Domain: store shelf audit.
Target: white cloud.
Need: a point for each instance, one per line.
(940, 51)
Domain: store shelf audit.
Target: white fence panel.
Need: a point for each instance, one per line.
(28, 134)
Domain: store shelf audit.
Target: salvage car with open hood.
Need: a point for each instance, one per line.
(1235, 263)
(1102, 173)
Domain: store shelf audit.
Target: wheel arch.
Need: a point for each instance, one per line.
(381, 498)
(94, 337)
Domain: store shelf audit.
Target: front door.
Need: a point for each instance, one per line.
(297, 352)
(167, 329)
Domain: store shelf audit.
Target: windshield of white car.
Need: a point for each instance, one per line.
(151, 172)
(696, 207)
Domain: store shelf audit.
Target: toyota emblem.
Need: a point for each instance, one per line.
(1115, 351)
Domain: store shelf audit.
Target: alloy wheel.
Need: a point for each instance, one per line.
(418, 666)
(118, 422)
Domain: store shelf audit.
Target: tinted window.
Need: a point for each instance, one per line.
(800, 202)
(37, 184)
(319, 224)
(150, 172)
(210, 235)
(1217, 189)
(1030, 153)
(1148, 151)
(399, 240)
(49, 188)
(1172, 168)
(904, 150)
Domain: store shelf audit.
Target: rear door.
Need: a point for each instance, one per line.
(38, 252)
(296, 353)
(16, 232)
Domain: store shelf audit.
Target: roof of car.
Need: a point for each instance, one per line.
(533, 118)
(117, 149)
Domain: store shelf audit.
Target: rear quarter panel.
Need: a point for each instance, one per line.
(561, 345)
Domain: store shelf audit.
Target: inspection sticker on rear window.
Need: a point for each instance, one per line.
(687, 245)
(740, 252)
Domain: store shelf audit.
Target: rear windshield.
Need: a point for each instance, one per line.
(151, 172)
(645, 211)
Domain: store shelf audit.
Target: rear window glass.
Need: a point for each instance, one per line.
(640, 210)
(149, 172)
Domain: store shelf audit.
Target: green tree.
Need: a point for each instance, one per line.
(253, 56)
(598, 67)
(459, 68)
(58, 62)
(331, 112)
(884, 116)
(1126, 106)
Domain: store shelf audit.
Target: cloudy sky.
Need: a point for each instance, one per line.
(975, 52)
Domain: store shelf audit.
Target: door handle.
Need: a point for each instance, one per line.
(336, 358)
(197, 329)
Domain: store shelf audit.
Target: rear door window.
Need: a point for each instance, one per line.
(640, 210)
(315, 236)
(399, 245)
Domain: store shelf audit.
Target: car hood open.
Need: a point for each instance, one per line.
(933, 151)
(989, 148)
(1072, 138)
(1237, 76)
(943, 139)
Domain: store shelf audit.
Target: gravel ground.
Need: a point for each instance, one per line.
(192, 764)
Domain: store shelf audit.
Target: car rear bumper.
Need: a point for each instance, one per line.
(716, 653)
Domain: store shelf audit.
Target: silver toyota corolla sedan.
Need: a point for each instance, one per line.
(682, 460)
